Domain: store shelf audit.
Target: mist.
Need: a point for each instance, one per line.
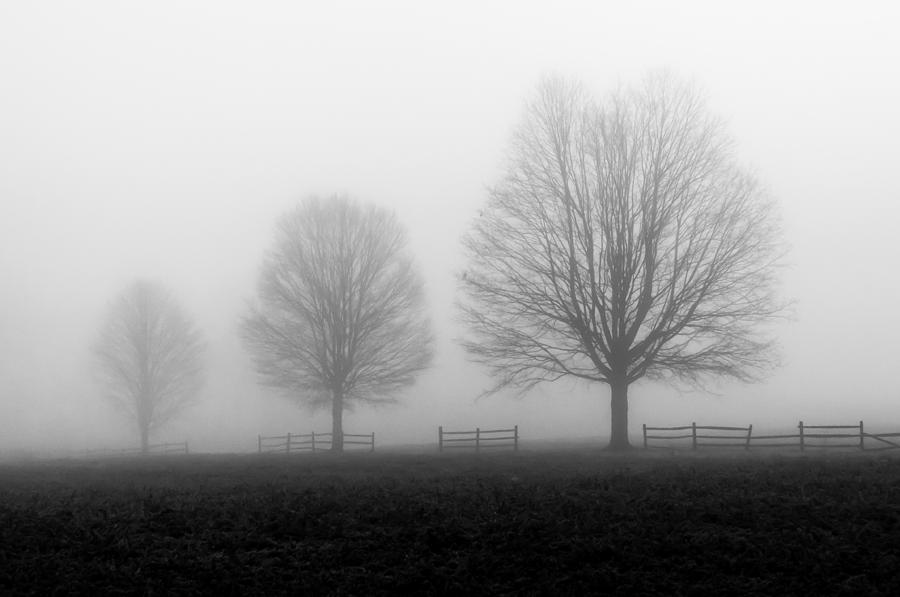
(163, 141)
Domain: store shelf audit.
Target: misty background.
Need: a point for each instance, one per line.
(163, 140)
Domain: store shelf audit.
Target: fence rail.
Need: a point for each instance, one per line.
(823, 436)
(479, 438)
(309, 442)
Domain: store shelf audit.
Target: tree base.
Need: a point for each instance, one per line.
(619, 448)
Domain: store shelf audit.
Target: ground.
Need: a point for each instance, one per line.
(534, 522)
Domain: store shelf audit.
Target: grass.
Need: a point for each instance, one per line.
(552, 522)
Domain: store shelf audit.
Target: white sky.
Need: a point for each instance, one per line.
(163, 139)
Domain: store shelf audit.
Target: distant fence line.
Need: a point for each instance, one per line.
(708, 436)
(152, 450)
(309, 442)
(479, 438)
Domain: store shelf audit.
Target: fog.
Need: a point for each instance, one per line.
(163, 140)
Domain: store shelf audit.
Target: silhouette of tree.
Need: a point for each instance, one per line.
(622, 243)
(341, 316)
(149, 357)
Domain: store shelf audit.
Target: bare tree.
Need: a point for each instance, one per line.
(150, 357)
(341, 318)
(623, 242)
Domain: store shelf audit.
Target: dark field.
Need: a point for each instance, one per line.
(560, 522)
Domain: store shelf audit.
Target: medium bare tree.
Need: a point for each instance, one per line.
(341, 317)
(149, 357)
(622, 243)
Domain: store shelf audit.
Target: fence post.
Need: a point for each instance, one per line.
(373, 442)
(801, 435)
(287, 446)
(259, 442)
(645, 436)
(440, 438)
(186, 448)
(862, 437)
(477, 439)
(749, 433)
(516, 438)
(693, 435)
(314, 442)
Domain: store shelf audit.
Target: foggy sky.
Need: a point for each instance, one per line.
(163, 140)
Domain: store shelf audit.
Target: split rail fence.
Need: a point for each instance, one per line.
(310, 442)
(479, 438)
(807, 437)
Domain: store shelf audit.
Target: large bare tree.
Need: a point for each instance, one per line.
(341, 315)
(624, 242)
(149, 356)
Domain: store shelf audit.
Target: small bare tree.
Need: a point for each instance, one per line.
(624, 242)
(341, 317)
(149, 357)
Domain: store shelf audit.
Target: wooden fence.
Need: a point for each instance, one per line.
(479, 438)
(708, 436)
(360, 439)
(152, 450)
(807, 436)
(310, 442)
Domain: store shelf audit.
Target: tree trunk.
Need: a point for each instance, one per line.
(618, 436)
(337, 424)
(145, 438)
